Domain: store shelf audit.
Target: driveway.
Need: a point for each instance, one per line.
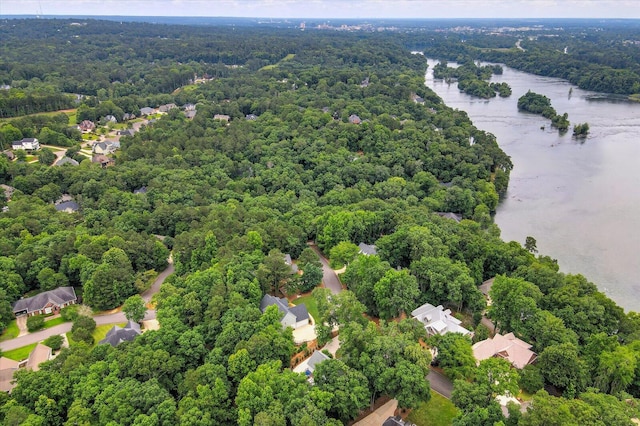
(21, 322)
(440, 383)
(329, 276)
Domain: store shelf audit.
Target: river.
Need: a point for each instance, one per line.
(579, 199)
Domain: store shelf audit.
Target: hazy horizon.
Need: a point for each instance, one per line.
(331, 9)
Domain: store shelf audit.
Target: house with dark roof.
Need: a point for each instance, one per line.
(141, 190)
(66, 204)
(367, 249)
(66, 160)
(117, 334)
(7, 368)
(292, 316)
(437, 320)
(26, 144)
(47, 302)
(125, 132)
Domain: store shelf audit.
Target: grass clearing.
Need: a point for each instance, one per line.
(289, 57)
(312, 307)
(98, 334)
(438, 411)
(54, 322)
(20, 353)
(11, 332)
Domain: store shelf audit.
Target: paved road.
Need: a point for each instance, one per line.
(115, 318)
(329, 277)
(440, 383)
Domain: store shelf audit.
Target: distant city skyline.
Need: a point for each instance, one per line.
(328, 9)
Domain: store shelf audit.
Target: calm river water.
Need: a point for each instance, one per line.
(579, 199)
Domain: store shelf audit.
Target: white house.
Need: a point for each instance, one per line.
(437, 320)
(293, 316)
(27, 144)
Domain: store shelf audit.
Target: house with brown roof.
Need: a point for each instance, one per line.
(222, 117)
(103, 160)
(509, 347)
(354, 119)
(38, 355)
(87, 126)
(7, 368)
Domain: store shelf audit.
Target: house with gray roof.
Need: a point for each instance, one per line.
(367, 249)
(292, 316)
(316, 358)
(450, 215)
(66, 160)
(437, 320)
(166, 107)
(290, 264)
(117, 334)
(125, 132)
(147, 111)
(47, 302)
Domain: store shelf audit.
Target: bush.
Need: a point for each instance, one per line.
(35, 322)
(54, 342)
(82, 329)
(70, 313)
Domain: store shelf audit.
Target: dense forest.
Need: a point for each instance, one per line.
(287, 164)
(602, 56)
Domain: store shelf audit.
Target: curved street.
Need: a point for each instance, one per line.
(114, 318)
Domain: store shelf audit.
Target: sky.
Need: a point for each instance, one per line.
(300, 9)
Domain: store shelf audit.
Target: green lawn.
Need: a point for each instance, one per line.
(438, 411)
(312, 307)
(54, 322)
(10, 332)
(20, 353)
(98, 334)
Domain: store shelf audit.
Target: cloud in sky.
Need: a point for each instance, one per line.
(332, 8)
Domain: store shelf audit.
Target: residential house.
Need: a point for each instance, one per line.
(7, 368)
(117, 334)
(450, 215)
(365, 82)
(485, 288)
(166, 108)
(47, 302)
(293, 316)
(125, 132)
(27, 144)
(9, 154)
(67, 206)
(308, 366)
(38, 355)
(66, 160)
(367, 249)
(141, 190)
(509, 347)
(189, 107)
(103, 160)
(290, 264)
(190, 114)
(222, 117)
(128, 116)
(251, 117)
(106, 147)
(437, 320)
(354, 119)
(8, 191)
(87, 126)
(147, 111)
(396, 421)
(110, 119)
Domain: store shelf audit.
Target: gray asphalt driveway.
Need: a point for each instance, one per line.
(329, 277)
